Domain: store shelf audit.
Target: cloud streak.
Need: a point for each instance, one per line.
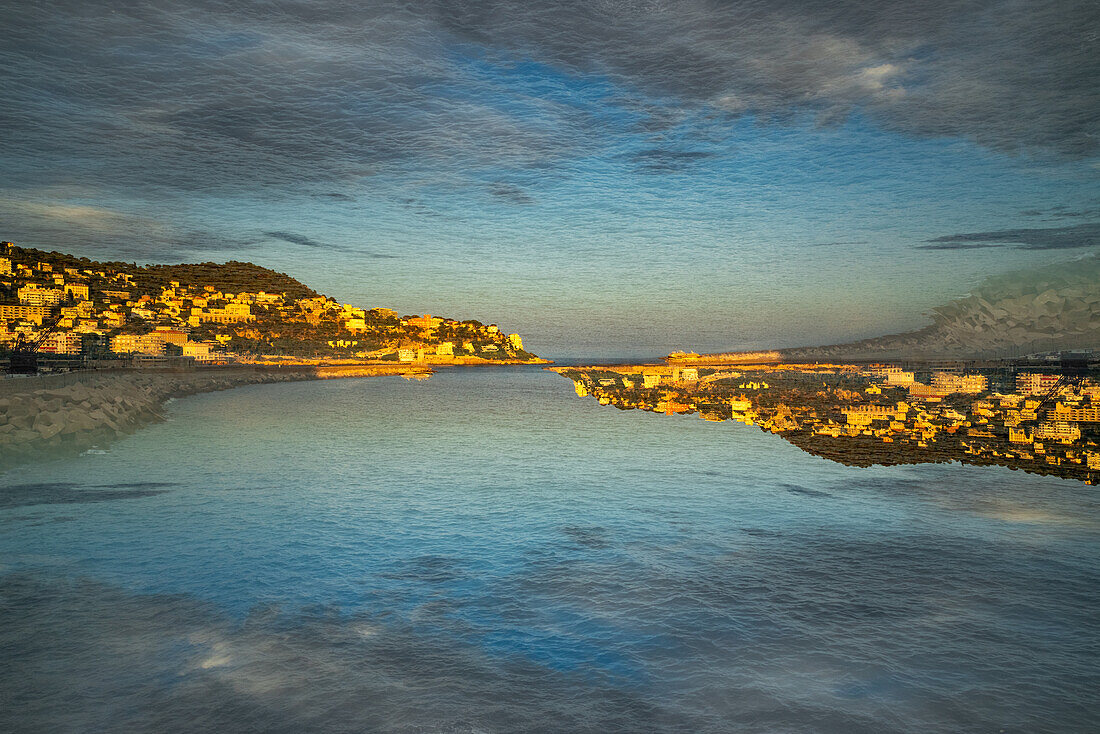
(304, 241)
(1053, 238)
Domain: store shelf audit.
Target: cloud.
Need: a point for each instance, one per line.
(958, 246)
(1062, 212)
(1011, 76)
(510, 193)
(166, 100)
(59, 493)
(296, 239)
(666, 160)
(205, 95)
(1055, 238)
(300, 239)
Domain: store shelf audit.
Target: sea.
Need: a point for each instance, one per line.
(486, 552)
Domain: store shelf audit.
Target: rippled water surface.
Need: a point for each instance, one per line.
(486, 552)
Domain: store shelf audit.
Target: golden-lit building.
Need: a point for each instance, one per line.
(947, 383)
(34, 295)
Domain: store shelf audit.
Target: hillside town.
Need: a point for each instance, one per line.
(77, 311)
(1041, 421)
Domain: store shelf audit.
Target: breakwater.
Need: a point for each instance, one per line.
(43, 417)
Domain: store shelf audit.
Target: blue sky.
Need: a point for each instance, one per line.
(607, 179)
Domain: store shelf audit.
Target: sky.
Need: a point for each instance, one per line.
(606, 178)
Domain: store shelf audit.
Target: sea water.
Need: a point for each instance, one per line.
(486, 552)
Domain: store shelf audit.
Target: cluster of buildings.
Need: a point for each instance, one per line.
(97, 311)
(880, 414)
(79, 308)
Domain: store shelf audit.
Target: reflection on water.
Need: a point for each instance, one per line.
(483, 553)
(861, 417)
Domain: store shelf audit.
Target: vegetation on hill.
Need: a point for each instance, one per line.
(232, 277)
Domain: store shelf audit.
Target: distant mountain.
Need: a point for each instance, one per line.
(1051, 308)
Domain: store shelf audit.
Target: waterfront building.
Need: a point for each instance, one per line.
(62, 342)
(198, 350)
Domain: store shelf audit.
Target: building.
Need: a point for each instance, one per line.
(515, 342)
(198, 350)
(152, 343)
(232, 313)
(1035, 383)
(651, 379)
(919, 390)
(406, 355)
(863, 415)
(1076, 415)
(76, 291)
(36, 314)
(34, 295)
(445, 349)
(62, 342)
(171, 335)
(1059, 431)
(689, 374)
(949, 382)
(894, 375)
(427, 322)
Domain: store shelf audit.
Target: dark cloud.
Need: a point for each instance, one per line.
(664, 160)
(65, 493)
(300, 239)
(510, 193)
(295, 239)
(203, 94)
(162, 100)
(958, 246)
(1062, 212)
(1009, 75)
(1054, 238)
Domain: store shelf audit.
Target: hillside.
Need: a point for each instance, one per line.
(232, 276)
(212, 311)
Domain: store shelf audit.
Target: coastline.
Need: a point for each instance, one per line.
(63, 415)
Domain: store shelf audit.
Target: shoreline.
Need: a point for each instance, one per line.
(53, 416)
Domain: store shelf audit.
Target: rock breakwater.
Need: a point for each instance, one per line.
(41, 418)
